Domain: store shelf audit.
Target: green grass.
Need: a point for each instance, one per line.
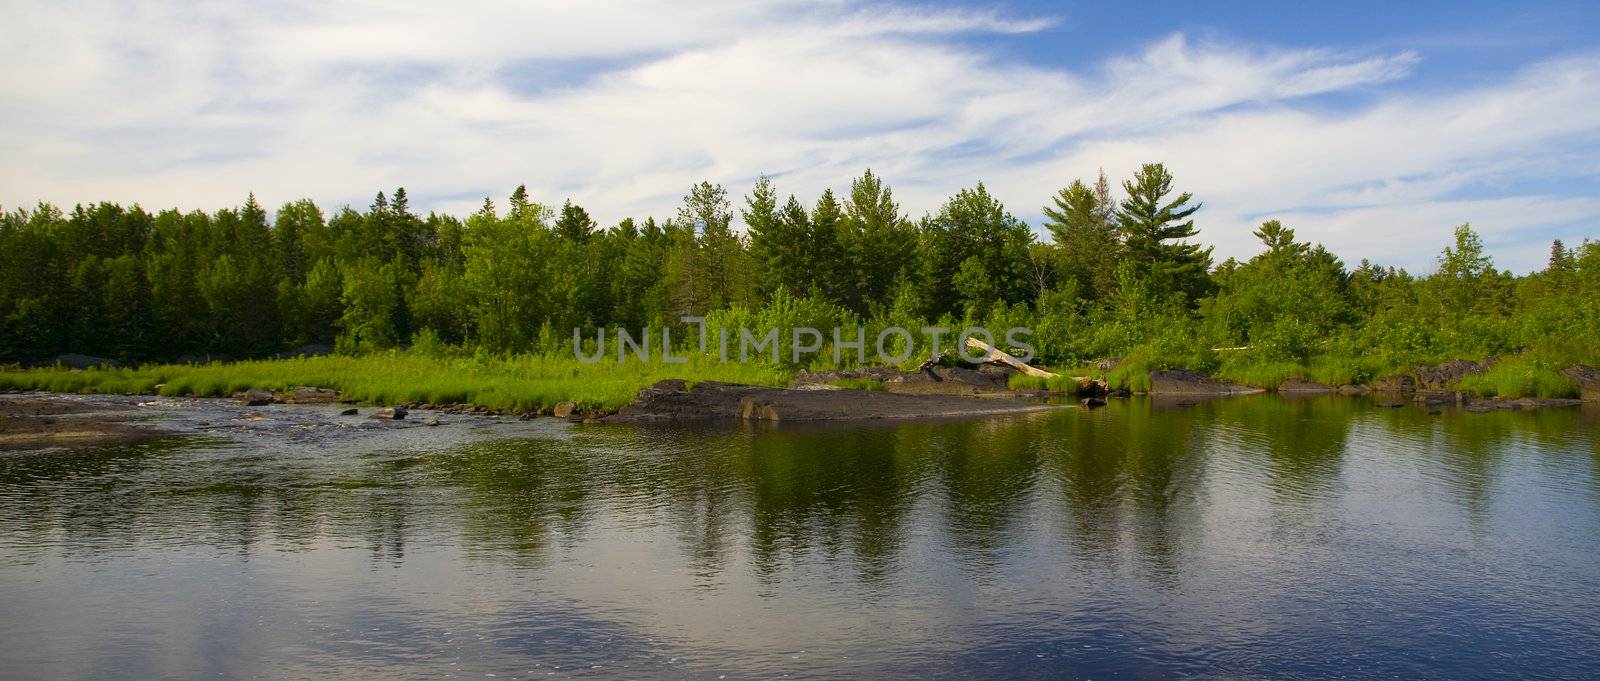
(1328, 370)
(1520, 376)
(858, 384)
(519, 383)
(1064, 383)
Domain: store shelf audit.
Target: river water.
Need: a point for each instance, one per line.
(1250, 537)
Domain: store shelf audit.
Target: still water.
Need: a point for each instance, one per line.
(1248, 537)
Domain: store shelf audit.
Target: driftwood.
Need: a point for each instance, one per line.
(993, 355)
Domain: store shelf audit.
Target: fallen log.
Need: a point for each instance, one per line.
(993, 355)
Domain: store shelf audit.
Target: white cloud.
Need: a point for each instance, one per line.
(171, 104)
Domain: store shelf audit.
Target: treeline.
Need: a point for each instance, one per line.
(1119, 276)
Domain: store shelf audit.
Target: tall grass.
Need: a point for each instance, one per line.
(518, 383)
(1525, 375)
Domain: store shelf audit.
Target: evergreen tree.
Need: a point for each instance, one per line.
(1153, 227)
(575, 225)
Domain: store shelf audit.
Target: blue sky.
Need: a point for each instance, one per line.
(1374, 128)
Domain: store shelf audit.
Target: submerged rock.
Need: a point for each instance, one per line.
(390, 413)
(350, 412)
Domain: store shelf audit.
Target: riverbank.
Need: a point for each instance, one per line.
(562, 386)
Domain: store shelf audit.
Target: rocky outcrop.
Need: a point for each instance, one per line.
(935, 380)
(1185, 382)
(1295, 385)
(1438, 378)
(710, 400)
(1444, 376)
(1588, 379)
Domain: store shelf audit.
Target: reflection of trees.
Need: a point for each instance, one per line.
(1126, 480)
(830, 490)
(1304, 440)
(515, 494)
(988, 470)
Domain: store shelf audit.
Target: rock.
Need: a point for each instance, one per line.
(1444, 376)
(1092, 402)
(1295, 385)
(1436, 398)
(672, 400)
(564, 409)
(1185, 382)
(255, 398)
(1354, 390)
(1588, 379)
(77, 361)
(309, 395)
(350, 412)
(432, 422)
(1390, 404)
(1120, 393)
(390, 413)
(1399, 383)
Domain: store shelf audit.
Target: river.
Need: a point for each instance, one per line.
(1251, 537)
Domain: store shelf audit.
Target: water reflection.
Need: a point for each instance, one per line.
(1231, 535)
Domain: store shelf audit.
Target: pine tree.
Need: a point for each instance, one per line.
(575, 225)
(1088, 244)
(1153, 228)
(878, 244)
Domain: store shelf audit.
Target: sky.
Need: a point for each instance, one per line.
(1374, 128)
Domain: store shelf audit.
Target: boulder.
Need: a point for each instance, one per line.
(1092, 402)
(1185, 382)
(255, 398)
(350, 412)
(1354, 390)
(1588, 379)
(564, 409)
(390, 413)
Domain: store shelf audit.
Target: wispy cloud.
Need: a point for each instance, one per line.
(621, 105)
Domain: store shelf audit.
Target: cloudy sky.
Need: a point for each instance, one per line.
(1373, 128)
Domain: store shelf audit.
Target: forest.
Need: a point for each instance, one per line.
(1121, 274)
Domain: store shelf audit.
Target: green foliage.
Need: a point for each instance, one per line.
(1119, 278)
